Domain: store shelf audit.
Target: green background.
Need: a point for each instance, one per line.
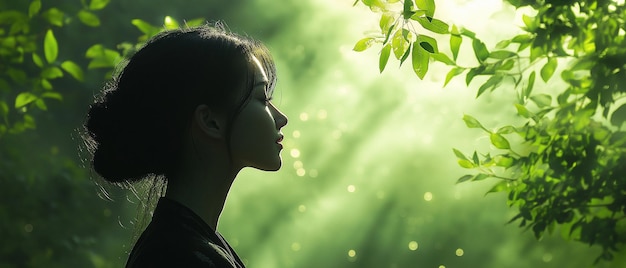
(368, 177)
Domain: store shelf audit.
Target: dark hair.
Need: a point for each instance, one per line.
(134, 129)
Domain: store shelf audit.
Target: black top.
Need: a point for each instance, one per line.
(177, 237)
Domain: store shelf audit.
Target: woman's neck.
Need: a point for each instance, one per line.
(202, 191)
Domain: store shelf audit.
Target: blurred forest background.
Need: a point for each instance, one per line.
(369, 174)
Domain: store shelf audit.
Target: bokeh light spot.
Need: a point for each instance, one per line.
(295, 246)
(352, 253)
(302, 208)
(297, 164)
(107, 212)
(351, 188)
(322, 114)
(295, 153)
(304, 116)
(442, 266)
(295, 134)
(459, 252)
(413, 245)
(28, 228)
(547, 257)
(313, 173)
(300, 172)
(428, 196)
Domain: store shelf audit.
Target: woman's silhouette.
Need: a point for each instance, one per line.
(191, 109)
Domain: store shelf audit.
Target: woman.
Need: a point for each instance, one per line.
(190, 109)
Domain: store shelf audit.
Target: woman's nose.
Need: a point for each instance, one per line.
(280, 118)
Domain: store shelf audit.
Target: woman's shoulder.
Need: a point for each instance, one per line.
(175, 248)
(176, 239)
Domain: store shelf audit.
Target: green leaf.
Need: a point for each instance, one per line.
(386, 20)
(522, 38)
(428, 43)
(472, 73)
(98, 4)
(34, 8)
(542, 100)
(54, 16)
(459, 154)
(51, 72)
(388, 35)
(384, 57)
(41, 104)
(24, 98)
(619, 116)
(73, 69)
(433, 25)
(480, 177)
(50, 47)
(480, 50)
(399, 44)
(491, 83)
(426, 5)
(455, 42)
(464, 178)
(145, 27)
(170, 23)
(506, 130)
(420, 58)
(88, 18)
(471, 122)
(535, 53)
(426, 46)
(101, 57)
(405, 55)
(407, 10)
(468, 33)
(507, 65)
(499, 187)
(29, 121)
(465, 163)
(37, 60)
(195, 22)
(503, 44)
(452, 73)
(503, 161)
(52, 95)
(443, 58)
(548, 69)
(363, 44)
(521, 110)
(531, 84)
(502, 54)
(529, 22)
(46, 84)
(499, 141)
(475, 159)
(4, 108)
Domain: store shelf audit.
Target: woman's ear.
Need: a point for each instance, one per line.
(208, 122)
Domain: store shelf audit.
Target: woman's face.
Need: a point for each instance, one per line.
(256, 136)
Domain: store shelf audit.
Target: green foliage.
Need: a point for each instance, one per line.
(26, 33)
(36, 66)
(566, 168)
(399, 36)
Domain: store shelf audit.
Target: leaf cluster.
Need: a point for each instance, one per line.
(567, 167)
(571, 172)
(29, 58)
